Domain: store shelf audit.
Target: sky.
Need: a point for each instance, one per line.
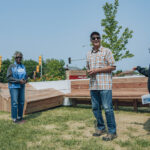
(61, 28)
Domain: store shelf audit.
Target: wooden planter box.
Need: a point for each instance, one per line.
(35, 100)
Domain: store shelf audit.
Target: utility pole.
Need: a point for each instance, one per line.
(0, 63)
(41, 68)
(40, 63)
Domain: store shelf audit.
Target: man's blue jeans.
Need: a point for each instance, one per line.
(103, 98)
(17, 102)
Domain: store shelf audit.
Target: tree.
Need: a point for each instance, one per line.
(54, 69)
(3, 73)
(112, 38)
(30, 67)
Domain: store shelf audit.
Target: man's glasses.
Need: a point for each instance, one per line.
(94, 38)
(18, 57)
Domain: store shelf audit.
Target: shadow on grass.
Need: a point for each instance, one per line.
(147, 126)
(32, 116)
(36, 114)
(84, 106)
(121, 108)
(131, 109)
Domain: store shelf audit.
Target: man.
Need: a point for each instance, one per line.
(100, 64)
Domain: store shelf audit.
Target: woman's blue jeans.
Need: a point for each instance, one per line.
(17, 102)
(103, 98)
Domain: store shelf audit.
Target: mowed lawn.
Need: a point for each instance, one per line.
(71, 128)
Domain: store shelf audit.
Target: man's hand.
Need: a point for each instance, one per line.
(92, 72)
(134, 68)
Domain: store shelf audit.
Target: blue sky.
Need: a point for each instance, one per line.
(61, 28)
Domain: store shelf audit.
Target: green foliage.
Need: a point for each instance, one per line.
(84, 68)
(3, 73)
(30, 67)
(55, 69)
(112, 38)
(117, 72)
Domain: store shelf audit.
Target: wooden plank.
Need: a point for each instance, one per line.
(80, 86)
(123, 94)
(135, 79)
(25, 107)
(130, 89)
(130, 85)
(4, 99)
(43, 104)
(79, 82)
(79, 97)
(76, 72)
(114, 80)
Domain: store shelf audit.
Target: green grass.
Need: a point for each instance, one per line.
(64, 128)
(135, 144)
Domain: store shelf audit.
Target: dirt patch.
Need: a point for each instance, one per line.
(38, 143)
(31, 144)
(75, 125)
(49, 127)
(130, 123)
(5, 117)
(67, 136)
(127, 123)
(88, 132)
(78, 130)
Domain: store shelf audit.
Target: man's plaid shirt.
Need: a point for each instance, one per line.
(100, 59)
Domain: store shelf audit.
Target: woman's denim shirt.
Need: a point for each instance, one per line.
(15, 73)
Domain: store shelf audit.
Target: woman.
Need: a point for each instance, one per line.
(17, 78)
